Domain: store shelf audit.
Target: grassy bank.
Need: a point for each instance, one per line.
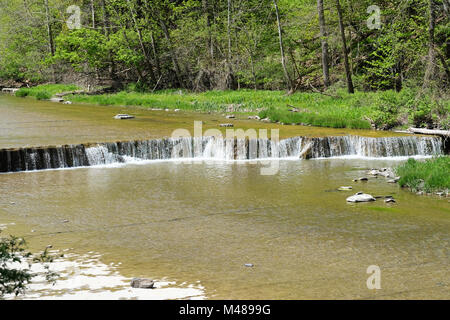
(45, 91)
(429, 176)
(362, 110)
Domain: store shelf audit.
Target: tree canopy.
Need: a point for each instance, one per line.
(228, 44)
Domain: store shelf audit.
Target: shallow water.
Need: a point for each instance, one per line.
(204, 221)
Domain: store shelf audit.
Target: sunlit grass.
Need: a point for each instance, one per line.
(430, 175)
(45, 91)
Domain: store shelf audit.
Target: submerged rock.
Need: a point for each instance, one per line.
(361, 197)
(142, 283)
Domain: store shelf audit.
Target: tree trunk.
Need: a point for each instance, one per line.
(209, 20)
(141, 43)
(324, 42)
(106, 26)
(155, 55)
(230, 80)
(430, 68)
(283, 60)
(49, 29)
(344, 50)
(93, 14)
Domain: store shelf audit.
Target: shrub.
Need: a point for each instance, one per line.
(430, 175)
(23, 92)
(43, 95)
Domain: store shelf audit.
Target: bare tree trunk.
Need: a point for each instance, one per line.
(49, 29)
(430, 68)
(344, 50)
(209, 18)
(106, 26)
(283, 60)
(230, 80)
(323, 37)
(51, 46)
(93, 14)
(155, 55)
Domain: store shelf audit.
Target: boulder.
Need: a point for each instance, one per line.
(361, 197)
(142, 283)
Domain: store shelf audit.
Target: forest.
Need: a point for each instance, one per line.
(316, 46)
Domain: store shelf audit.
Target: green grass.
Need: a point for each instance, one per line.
(45, 91)
(429, 176)
(315, 109)
(386, 109)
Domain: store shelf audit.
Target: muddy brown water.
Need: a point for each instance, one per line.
(203, 221)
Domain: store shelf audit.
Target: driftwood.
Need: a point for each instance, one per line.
(442, 133)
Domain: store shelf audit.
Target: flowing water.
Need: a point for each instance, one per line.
(197, 223)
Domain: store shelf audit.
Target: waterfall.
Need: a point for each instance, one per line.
(26, 159)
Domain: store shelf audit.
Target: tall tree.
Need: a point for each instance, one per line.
(283, 59)
(344, 49)
(49, 28)
(324, 43)
(430, 66)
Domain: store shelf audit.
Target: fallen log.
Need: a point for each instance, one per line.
(434, 132)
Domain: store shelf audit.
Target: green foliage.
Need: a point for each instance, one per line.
(81, 46)
(14, 277)
(430, 175)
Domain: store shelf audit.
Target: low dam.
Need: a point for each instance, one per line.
(68, 156)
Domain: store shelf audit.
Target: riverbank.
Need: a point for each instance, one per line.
(431, 175)
(362, 110)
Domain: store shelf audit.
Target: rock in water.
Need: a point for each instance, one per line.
(123, 116)
(232, 116)
(361, 197)
(389, 200)
(345, 188)
(142, 283)
(227, 125)
(249, 265)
